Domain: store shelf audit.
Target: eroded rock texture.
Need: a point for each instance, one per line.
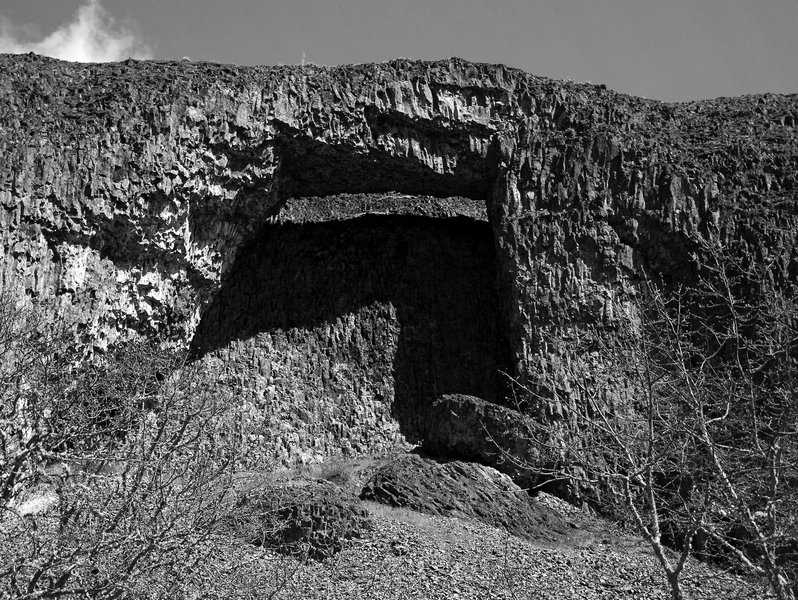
(342, 330)
(189, 201)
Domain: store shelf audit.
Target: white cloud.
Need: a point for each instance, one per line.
(92, 36)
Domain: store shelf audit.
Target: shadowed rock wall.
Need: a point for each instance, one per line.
(349, 330)
(128, 190)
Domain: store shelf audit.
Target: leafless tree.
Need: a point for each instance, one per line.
(698, 449)
(121, 475)
(113, 473)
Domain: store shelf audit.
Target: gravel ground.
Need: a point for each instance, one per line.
(411, 555)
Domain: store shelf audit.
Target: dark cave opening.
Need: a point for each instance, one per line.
(407, 305)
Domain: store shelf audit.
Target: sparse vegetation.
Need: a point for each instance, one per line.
(120, 481)
(703, 457)
(335, 471)
(119, 477)
(114, 473)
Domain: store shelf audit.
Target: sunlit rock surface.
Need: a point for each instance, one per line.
(354, 242)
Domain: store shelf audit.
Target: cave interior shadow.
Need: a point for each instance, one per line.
(310, 167)
(436, 277)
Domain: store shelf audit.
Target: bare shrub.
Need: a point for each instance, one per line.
(113, 474)
(335, 471)
(700, 452)
(120, 476)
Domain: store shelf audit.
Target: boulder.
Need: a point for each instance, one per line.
(471, 428)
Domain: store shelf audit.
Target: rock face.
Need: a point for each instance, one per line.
(343, 330)
(475, 429)
(353, 242)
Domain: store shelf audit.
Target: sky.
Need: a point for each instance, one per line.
(666, 49)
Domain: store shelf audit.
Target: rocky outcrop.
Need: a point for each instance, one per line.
(474, 429)
(137, 196)
(466, 490)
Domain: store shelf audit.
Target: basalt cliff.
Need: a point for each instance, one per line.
(354, 244)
